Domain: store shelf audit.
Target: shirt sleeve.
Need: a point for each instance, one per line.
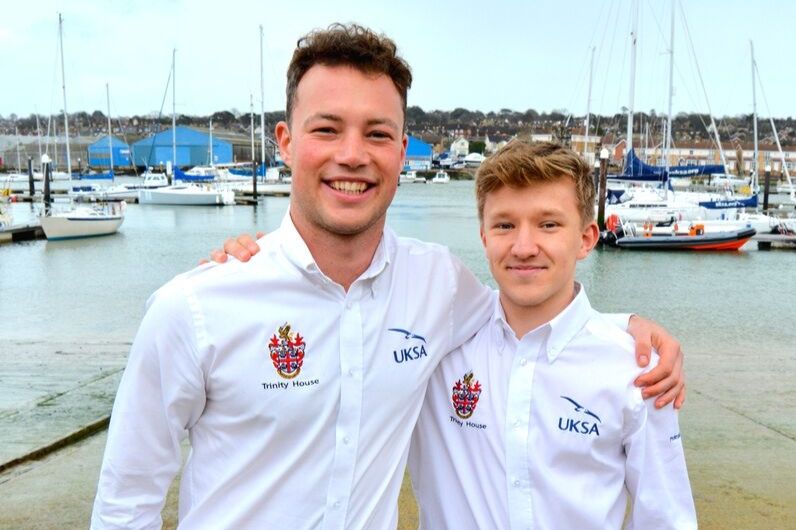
(656, 474)
(471, 304)
(160, 396)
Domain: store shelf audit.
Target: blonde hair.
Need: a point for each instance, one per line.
(522, 163)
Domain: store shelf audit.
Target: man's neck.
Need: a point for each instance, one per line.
(523, 319)
(341, 258)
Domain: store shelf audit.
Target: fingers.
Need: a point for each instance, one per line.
(246, 241)
(641, 330)
(260, 235)
(236, 250)
(643, 352)
(666, 381)
(203, 261)
(669, 396)
(219, 256)
(680, 401)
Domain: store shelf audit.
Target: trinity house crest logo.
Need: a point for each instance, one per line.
(466, 393)
(286, 349)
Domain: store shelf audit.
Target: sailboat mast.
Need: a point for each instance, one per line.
(211, 142)
(251, 116)
(668, 138)
(38, 135)
(110, 139)
(63, 88)
(755, 172)
(262, 104)
(631, 98)
(588, 104)
(173, 111)
(19, 163)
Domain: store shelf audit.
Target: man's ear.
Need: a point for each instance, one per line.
(588, 239)
(283, 138)
(483, 235)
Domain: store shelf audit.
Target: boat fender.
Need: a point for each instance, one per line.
(612, 222)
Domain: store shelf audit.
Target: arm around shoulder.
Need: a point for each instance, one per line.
(472, 303)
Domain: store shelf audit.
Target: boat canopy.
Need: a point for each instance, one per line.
(635, 169)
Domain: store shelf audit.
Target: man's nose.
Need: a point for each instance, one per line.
(526, 244)
(352, 151)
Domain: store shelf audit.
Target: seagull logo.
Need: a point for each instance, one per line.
(581, 408)
(407, 334)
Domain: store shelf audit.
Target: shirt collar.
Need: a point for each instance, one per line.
(298, 253)
(568, 323)
(563, 327)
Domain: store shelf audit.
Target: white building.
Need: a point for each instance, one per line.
(460, 147)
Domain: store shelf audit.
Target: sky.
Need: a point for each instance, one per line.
(484, 56)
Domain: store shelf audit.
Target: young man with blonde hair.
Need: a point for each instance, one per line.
(535, 422)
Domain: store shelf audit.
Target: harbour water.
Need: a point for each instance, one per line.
(732, 311)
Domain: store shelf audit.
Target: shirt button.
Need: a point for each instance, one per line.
(348, 305)
(346, 439)
(336, 504)
(516, 483)
(351, 372)
(523, 361)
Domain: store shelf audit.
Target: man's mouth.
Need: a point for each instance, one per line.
(349, 187)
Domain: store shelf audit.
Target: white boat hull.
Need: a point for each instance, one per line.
(186, 196)
(75, 225)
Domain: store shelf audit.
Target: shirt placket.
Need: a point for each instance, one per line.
(518, 416)
(348, 420)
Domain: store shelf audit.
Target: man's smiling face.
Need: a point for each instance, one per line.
(533, 237)
(346, 147)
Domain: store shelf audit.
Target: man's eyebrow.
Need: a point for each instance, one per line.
(323, 116)
(384, 121)
(337, 119)
(546, 212)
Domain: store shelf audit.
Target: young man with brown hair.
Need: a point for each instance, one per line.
(534, 422)
(283, 371)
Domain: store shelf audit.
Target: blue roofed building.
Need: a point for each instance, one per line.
(193, 149)
(418, 155)
(98, 156)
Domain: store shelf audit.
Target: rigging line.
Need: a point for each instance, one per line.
(667, 49)
(601, 49)
(784, 167)
(160, 114)
(715, 141)
(577, 87)
(624, 59)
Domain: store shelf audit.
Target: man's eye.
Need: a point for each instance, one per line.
(504, 226)
(380, 135)
(323, 130)
(549, 225)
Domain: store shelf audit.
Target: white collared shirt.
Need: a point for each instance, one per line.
(323, 444)
(547, 432)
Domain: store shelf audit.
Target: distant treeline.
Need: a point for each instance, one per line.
(437, 125)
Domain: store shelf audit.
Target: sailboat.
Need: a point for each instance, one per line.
(77, 221)
(662, 202)
(183, 194)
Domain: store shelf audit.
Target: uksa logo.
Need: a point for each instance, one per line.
(585, 427)
(412, 351)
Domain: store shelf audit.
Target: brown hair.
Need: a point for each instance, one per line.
(347, 45)
(521, 163)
